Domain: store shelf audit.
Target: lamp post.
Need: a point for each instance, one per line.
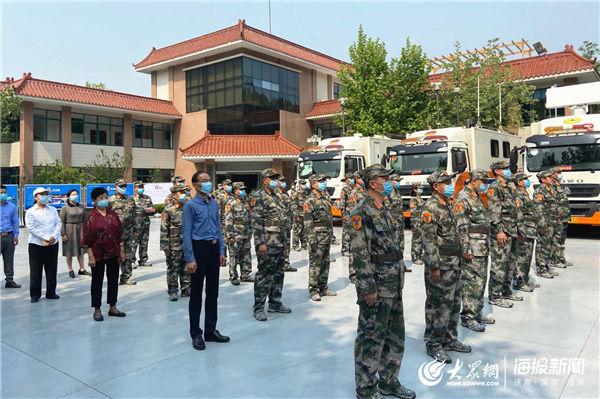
(457, 95)
(343, 102)
(436, 89)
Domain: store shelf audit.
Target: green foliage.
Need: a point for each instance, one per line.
(108, 168)
(10, 112)
(100, 85)
(590, 51)
(155, 176)
(159, 208)
(59, 173)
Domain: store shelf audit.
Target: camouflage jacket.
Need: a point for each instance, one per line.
(377, 255)
(286, 203)
(355, 196)
(563, 202)
(317, 216)
(141, 203)
(222, 199)
(171, 228)
(531, 214)
(298, 198)
(124, 206)
(169, 200)
(546, 203)
(415, 205)
(237, 219)
(268, 218)
(505, 215)
(473, 223)
(394, 204)
(439, 234)
(344, 198)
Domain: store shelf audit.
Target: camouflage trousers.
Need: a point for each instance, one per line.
(268, 280)
(318, 256)
(524, 261)
(504, 261)
(416, 247)
(177, 273)
(286, 247)
(129, 247)
(346, 239)
(240, 255)
(558, 242)
(474, 277)
(379, 345)
(298, 238)
(351, 268)
(140, 244)
(544, 250)
(442, 305)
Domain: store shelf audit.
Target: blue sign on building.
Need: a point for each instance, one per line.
(110, 187)
(12, 190)
(57, 192)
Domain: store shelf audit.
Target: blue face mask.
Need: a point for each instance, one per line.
(420, 191)
(449, 190)
(206, 187)
(306, 187)
(388, 187)
(121, 190)
(242, 193)
(228, 189)
(527, 183)
(3, 197)
(560, 177)
(182, 198)
(140, 191)
(74, 198)
(362, 183)
(397, 184)
(507, 173)
(283, 185)
(102, 204)
(351, 182)
(322, 185)
(483, 187)
(273, 184)
(43, 199)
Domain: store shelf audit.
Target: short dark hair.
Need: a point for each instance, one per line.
(71, 190)
(2, 186)
(196, 177)
(98, 191)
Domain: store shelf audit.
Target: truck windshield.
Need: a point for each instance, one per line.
(416, 164)
(327, 167)
(574, 157)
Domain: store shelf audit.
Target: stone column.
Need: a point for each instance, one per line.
(26, 143)
(128, 143)
(65, 131)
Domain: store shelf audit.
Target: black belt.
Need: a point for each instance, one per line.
(321, 224)
(530, 219)
(6, 234)
(479, 229)
(205, 242)
(389, 257)
(450, 250)
(510, 214)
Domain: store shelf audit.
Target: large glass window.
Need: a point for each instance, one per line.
(152, 134)
(327, 130)
(337, 88)
(416, 164)
(46, 125)
(95, 129)
(570, 157)
(147, 175)
(242, 95)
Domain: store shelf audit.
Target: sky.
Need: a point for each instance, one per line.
(75, 42)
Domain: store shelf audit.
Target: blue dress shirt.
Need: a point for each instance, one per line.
(9, 218)
(201, 221)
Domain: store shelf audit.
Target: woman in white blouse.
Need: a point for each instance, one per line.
(44, 231)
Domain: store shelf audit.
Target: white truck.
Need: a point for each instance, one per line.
(454, 149)
(334, 157)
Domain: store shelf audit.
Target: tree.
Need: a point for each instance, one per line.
(155, 176)
(590, 51)
(10, 113)
(108, 168)
(100, 85)
(59, 173)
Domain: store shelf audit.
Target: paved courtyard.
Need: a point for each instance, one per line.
(545, 347)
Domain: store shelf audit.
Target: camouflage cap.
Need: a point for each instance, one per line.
(177, 179)
(478, 174)
(177, 188)
(499, 165)
(316, 177)
(520, 176)
(281, 177)
(396, 177)
(302, 181)
(120, 182)
(188, 188)
(416, 185)
(544, 173)
(357, 174)
(349, 175)
(239, 184)
(138, 183)
(439, 177)
(376, 170)
(269, 172)
(555, 170)
(226, 181)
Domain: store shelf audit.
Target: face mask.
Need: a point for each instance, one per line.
(140, 191)
(351, 182)
(43, 199)
(362, 183)
(206, 187)
(182, 197)
(449, 190)
(3, 197)
(74, 198)
(322, 186)
(560, 177)
(306, 187)
(507, 173)
(527, 183)
(273, 184)
(483, 187)
(242, 193)
(388, 186)
(228, 189)
(102, 204)
(420, 191)
(397, 184)
(121, 191)
(283, 186)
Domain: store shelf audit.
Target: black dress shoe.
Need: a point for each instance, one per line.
(53, 296)
(216, 337)
(72, 274)
(34, 300)
(99, 317)
(12, 284)
(198, 343)
(116, 314)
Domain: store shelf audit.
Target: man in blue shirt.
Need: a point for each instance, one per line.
(203, 251)
(9, 229)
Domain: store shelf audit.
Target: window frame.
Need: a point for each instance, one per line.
(111, 124)
(46, 118)
(494, 148)
(153, 127)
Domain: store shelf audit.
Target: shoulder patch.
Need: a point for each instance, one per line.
(378, 204)
(517, 203)
(539, 197)
(305, 207)
(253, 202)
(227, 208)
(427, 217)
(356, 222)
(393, 221)
(293, 196)
(458, 207)
(352, 198)
(412, 204)
(490, 193)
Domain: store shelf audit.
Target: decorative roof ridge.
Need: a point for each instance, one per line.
(207, 135)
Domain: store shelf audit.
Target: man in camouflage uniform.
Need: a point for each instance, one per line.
(531, 219)
(472, 220)
(286, 202)
(379, 345)
(344, 197)
(395, 204)
(505, 228)
(318, 227)
(415, 205)
(175, 181)
(222, 196)
(355, 197)
(564, 212)
(546, 203)
(267, 221)
(143, 210)
(171, 243)
(298, 197)
(238, 232)
(442, 256)
(124, 206)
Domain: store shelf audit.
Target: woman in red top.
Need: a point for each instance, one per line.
(103, 239)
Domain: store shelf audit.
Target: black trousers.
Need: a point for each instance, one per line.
(7, 248)
(112, 281)
(42, 258)
(208, 260)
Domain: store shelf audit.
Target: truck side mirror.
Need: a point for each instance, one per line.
(513, 160)
(460, 160)
(384, 159)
